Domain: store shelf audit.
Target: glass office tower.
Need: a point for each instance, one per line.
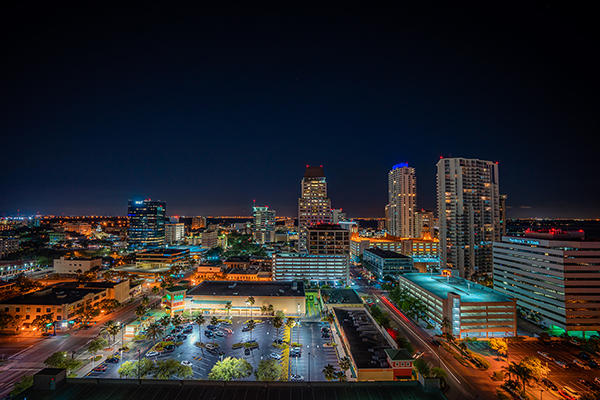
(146, 223)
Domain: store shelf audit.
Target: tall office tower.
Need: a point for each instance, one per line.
(424, 223)
(264, 224)
(468, 202)
(313, 206)
(337, 216)
(198, 223)
(174, 233)
(402, 201)
(503, 198)
(146, 223)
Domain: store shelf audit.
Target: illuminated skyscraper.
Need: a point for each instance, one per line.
(264, 224)
(146, 222)
(313, 206)
(469, 214)
(174, 233)
(402, 201)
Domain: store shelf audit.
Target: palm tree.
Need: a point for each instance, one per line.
(277, 323)
(270, 309)
(140, 311)
(165, 321)
(111, 328)
(200, 321)
(250, 300)
(228, 308)
(520, 372)
(329, 372)
(145, 300)
(251, 325)
(345, 364)
(177, 320)
(154, 331)
(263, 310)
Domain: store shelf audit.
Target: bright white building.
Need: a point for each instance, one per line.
(174, 233)
(312, 267)
(402, 201)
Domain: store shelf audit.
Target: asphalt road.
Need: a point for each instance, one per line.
(314, 355)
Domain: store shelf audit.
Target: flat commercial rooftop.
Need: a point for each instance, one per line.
(233, 288)
(122, 389)
(340, 296)
(470, 292)
(53, 295)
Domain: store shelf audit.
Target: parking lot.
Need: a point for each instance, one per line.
(560, 353)
(314, 355)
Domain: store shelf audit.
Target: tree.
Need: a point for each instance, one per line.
(270, 309)
(111, 328)
(135, 369)
(177, 320)
(25, 383)
(164, 321)
(341, 376)
(538, 369)
(8, 321)
(228, 307)
(96, 345)
(214, 321)
(520, 372)
(277, 323)
(250, 300)
(140, 311)
(329, 372)
(145, 301)
(500, 346)
(154, 331)
(60, 360)
(88, 314)
(345, 364)
(421, 366)
(404, 344)
(42, 322)
(268, 370)
(230, 369)
(170, 368)
(155, 290)
(446, 325)
(251, 325)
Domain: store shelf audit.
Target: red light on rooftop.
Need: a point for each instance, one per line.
(321, 165)
(307, 165)
(441, 157)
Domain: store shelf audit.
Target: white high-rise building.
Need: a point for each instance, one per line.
(402, 201)
(174, 233)
(264, 224)
(468, 202)
(337, 216)
(314, 206)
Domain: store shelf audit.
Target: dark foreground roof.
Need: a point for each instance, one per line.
(122, 389)
(248, 288)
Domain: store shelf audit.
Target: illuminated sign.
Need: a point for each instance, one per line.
(401, 165)
(523, 241)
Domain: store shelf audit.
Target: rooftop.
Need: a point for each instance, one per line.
(367, 344)
(53, 295)
(326, 227)
(470, 292)
(130, 389)
(314, 172)
(232, 288)
(340, 296)
(398, 354)
(385, 253)
(162, 252)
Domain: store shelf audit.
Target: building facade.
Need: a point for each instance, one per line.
(424, 223)
(470, 309)
(312, 267)
(555, 278)
(198, 222)
(174, 233)
(162, 258)
(468, 202)
(8, 245)
(328, 239)
(402, 201)
(73, 265)
(382, 263)
(263, 228)
(313, 205)
(146, 223)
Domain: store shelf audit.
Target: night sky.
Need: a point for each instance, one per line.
(208, 112)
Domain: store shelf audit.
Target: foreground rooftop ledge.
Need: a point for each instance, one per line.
(195, 382)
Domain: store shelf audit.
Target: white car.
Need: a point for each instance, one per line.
(152, 353)
(276, 356)
(296, 378)
(560, 364)
(186, 363)
(545, 355)
(210, 346)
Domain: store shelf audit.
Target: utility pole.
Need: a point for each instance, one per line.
(139, 372)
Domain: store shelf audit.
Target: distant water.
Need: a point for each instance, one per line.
(590, 227)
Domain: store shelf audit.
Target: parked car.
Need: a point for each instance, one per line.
(152, 353)
(296, 378)
(560, 364)
(186, 363)
(417, 354)
(211, 327)
(580, 364)
(210, 346)
(586, 383)
(247, 351)
(593, 364)
(181, 337)
(170, 347)
(227, 330)
(112, 360)
(278, 341)
(597, 381)
(209, 334)
(568, 393)
(276, 356)
(295, 352)
(245, 329)
(100, 368)
(545, 355)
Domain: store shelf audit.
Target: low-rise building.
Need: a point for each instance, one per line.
(373, 355)
(213, 296)
(312, 267)
(11, 268)
(162, 258)
(472, 310)
(8, 245)
(339, 298)
(74, 265)
(384, 263)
